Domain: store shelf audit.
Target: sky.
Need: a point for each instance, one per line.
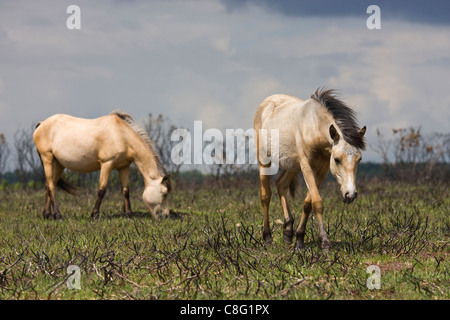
(216, 60)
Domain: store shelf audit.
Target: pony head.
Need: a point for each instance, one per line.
(155, 197)
(344, 163)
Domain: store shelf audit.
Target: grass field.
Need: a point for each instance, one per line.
(214, 250)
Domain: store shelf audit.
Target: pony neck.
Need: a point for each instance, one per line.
(327, 120)
(146, 163)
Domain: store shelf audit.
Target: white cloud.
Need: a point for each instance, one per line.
(193, 60)
(223, 44)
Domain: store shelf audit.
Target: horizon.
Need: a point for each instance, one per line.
(215, 61)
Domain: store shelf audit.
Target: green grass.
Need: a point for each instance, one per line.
(215, 251)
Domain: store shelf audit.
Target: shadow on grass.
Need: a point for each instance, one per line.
(173, 215)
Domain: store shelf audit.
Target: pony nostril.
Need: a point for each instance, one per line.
(348, 198)
(345, 198)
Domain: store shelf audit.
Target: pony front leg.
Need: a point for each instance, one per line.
(124, 181)
(301, 230)
(105, 171)
(308, 206)
(96, 211)
(126, 202)
(323, 237)
(314, 202)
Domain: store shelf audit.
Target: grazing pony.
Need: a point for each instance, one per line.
(106, 143)
(315, 136)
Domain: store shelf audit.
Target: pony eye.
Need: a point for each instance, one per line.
(338, 161)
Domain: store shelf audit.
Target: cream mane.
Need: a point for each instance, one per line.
(143, 135)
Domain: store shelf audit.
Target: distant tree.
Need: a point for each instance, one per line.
(410, 155)
(160, 129)
(238, 160)
(28, 164)
(4, 154)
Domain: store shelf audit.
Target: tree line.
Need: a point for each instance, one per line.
(407, 155)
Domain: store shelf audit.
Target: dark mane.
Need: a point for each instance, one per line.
(342, 114)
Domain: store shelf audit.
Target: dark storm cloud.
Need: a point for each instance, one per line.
(421, 11)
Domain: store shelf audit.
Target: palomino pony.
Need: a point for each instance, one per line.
(315, 136)
(106, 143)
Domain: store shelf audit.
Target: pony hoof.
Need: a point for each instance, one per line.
(47, 215)
(287, 237)
(267, 237)
(95, 215)
(57, 215)
(299, 245)
(128, 214)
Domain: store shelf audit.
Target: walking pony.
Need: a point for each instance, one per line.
(106, 143)
(315, 136)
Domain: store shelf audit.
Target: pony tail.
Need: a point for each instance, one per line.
(67, 187)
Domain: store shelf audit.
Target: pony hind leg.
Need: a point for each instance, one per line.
(53, 171)
(266, 194)
(283, 185)
(47, 213)
(58, 170)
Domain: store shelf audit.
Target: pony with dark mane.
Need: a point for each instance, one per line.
(315, 136)
(106, 143)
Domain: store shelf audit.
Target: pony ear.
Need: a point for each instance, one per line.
(334, 134)
(362, 131)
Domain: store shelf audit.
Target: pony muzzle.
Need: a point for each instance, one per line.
(349, 197)
(159, 211)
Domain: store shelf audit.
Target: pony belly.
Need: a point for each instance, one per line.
(288, 158)
(79, 163)
(289, 163)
